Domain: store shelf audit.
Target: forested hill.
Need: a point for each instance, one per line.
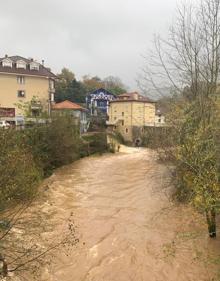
(69, 88)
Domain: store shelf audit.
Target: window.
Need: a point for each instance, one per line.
(7, 112)
(21, 94)
(122, 122)
(102, 104)
(7, 63)
(21, 64)
(51, 84)
(34, 66)
(122, 113)
(20, 79)
(126, 130)
(115, 118)
(159, 120)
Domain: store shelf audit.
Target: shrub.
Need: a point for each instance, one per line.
(54, 144)
(119, 137)
(96, 142)
(64, 141)
(19, 174)
(28, 156)
(157, 137)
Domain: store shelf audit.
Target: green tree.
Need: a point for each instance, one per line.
(92, 83)
(66, 76)
(68, 88)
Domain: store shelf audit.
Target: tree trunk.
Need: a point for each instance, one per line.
(4, 266)
(5, 269)
(211, 221)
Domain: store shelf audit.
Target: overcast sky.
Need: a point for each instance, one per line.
(96, 37)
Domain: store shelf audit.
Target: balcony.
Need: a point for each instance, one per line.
(36, 105)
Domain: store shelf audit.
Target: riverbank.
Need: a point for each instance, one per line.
(128, 229)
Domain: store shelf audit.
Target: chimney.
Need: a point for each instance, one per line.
(6, 56)
(43, 62)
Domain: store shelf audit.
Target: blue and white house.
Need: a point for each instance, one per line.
(98, 101)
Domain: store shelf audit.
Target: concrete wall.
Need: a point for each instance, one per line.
(33, 86)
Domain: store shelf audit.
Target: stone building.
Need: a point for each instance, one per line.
(129, 114)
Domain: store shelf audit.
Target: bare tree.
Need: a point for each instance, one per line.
(190, 54)
(22, 249)
(187, 64)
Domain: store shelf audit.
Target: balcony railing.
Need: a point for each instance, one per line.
(36, 105)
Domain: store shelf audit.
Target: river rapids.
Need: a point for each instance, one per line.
(127, 225)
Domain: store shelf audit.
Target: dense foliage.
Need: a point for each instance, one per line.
(69, 88)
(197, 159)
(54, 144)
(96, 142)
(29, 155)
(19, 174)
(156, 137)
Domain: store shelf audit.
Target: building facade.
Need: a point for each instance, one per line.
(129, 114)
(69, 108)
(159, 118)
(98, 101)
(24, 81)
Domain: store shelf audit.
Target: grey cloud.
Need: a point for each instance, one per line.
(97, 37)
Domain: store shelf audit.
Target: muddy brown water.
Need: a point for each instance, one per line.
(128, 228)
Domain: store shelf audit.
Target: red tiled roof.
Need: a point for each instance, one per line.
(129, 100)
(67, 105)
(131, 97)
(128, 94)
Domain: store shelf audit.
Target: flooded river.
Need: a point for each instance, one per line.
(128, 229)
